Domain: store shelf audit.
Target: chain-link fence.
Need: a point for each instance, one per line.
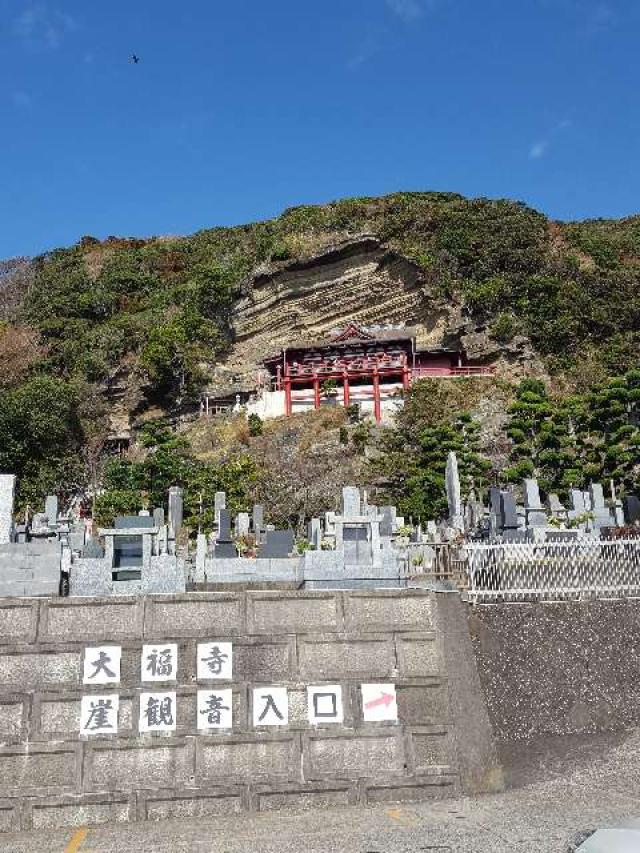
(553, 571)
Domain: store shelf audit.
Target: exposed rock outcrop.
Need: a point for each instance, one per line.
(359, 279)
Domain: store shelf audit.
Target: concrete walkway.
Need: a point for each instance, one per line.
(562, 787)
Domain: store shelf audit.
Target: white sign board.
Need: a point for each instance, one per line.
(324, 704)
(215, 709)
(159, 662)
(379, 703)
(270, 706)
(215, 661)
(157, 712)
(99, 715)
(101, 665)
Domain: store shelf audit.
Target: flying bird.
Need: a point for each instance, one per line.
(135, 59)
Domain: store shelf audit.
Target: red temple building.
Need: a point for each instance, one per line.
(367, 366)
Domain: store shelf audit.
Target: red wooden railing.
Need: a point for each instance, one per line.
(468, 370)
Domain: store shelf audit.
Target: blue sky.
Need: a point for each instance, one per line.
(241, 108)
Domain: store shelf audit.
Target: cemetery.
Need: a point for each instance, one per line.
(152, 672)
(502, 548)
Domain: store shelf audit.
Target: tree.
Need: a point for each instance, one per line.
(410, 466)
(20, 350)
(40, 439)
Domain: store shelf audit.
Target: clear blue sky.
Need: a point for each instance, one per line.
(240, 108)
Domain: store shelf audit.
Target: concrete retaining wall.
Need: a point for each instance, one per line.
(559, 669)
(50, 776)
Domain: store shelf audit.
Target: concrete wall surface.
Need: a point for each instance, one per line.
(417, 640)
(567, 668)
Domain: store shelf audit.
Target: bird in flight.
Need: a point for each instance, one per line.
(135, 59)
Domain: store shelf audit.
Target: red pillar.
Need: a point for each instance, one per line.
(316, 391)
(345, 388)
(288, 407)
(376, 394)
(405, 373)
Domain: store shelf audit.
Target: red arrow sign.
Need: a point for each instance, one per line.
(384, 699)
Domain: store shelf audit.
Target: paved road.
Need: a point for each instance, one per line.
(561, 787)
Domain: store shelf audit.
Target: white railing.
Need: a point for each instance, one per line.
(553, 571)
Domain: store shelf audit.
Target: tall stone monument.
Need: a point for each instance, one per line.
(534, 511)
(452, 482)
(175, 509)
(7, 486)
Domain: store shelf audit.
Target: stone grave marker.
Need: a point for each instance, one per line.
(535, 515)
(7, 485)
(219, 502)
(315, 533)
(175, 509)
(508, 513)
(258, 521)
(350, 502)
(242, 524)
(631, 507)
(51, 509)
(387, 522)
(278, 544)
(452, 482)
(225, 546)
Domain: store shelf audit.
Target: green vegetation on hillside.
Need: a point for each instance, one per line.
(160, 310)
(569, 441)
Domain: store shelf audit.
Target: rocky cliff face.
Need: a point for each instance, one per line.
(362, 280)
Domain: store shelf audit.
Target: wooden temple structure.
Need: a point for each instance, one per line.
(359, 365)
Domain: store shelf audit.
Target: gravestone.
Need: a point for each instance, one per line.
(201, 556)
(175, 509)
(93, 550)
(258, 521)
(534, 512)
(225, 546)
(40, 526)
(350, 502)
(357, 548)
(51, 509)
(452, 482)
(7, 485)
(631, 507)
(508, 512)
(242, 524)
(158, 517)
(315, 533)
(577, 501)
(495, 511)
(219, 502)
(555, 506)
(387, 522)
(474, 513)
(278, 544)
(129, 522)
(596, 493)
(163, 539)
(578, 508)
(601, 514)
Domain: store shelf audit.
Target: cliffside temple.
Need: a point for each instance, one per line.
(366, 366)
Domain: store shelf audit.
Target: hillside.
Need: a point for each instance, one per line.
(106, 335)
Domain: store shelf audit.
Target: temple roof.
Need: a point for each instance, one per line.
(350, 335)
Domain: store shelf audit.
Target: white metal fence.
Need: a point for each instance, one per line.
(553, 571)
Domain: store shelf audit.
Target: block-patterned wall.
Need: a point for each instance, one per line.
(50, 775)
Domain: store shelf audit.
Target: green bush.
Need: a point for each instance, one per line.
(255, 425)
